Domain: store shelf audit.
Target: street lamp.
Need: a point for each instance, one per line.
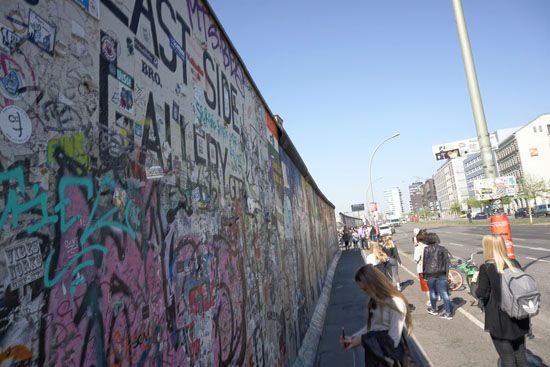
(370, 165)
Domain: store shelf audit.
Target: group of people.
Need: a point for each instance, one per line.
(388, 314)
(358, 237)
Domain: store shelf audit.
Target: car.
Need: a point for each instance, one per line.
(481, 215)
(385, 230)
(542, 210)
(396, 222)
(521, 213)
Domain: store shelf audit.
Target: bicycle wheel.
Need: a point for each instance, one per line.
(455, 279)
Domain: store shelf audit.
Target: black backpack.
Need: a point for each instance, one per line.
(436, 261)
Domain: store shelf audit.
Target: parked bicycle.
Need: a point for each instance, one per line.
(464, 269)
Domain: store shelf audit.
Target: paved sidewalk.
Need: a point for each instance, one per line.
(347, 309)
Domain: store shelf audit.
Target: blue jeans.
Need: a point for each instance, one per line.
(439, 286)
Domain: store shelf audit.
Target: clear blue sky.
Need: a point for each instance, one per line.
(345, 75)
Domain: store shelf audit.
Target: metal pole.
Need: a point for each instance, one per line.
(370, 165)
(475, 96)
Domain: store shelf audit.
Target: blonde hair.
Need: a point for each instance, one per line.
(381, 291)
(494, 249)
(379, 254)
(389, 242)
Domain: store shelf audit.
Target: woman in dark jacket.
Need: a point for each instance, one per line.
(508, 334)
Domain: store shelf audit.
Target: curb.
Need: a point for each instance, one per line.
(308, 349)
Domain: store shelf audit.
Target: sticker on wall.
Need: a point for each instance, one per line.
(126, 100)
(24, 262)
(125, 78)
(138, 129)
(130, 46)
(146, 53)
(8, 39)
(41, 33)
(109, 52)
(15, 124)
(154, 172)
(178, 50)
(175, 111)
(10, 84)
(91, 6)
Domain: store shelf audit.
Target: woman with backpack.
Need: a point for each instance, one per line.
(394, 259)
(507, 333)
(387, 315)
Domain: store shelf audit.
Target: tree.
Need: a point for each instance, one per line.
(529, 189)
(426, 212)
(455, 207)
(473, 203)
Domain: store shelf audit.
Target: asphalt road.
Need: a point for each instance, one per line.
(532, 249)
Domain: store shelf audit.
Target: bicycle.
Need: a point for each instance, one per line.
(461, 268)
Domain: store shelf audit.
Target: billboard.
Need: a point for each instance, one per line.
(460, 148)
(357, 207)
(373, 206)
(495, 188)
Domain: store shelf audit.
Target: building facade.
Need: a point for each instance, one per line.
(394, 202)
(473, 166)
(429, 196)
(450, 184)
(526, 155)
(415, 196)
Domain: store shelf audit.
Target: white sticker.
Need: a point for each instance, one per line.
(15, 124)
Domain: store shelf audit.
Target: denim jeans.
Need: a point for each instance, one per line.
(439, 286)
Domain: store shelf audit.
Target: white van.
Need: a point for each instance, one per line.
(385, 229)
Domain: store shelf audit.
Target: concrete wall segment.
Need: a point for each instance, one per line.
(148, 215)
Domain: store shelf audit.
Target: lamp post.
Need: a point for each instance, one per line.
(499, 222)
(370, 165)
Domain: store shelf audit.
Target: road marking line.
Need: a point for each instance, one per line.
(456, 244)
(544, 261)
(471, 317)
(532, 248)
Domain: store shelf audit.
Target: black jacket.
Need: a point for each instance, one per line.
(497, 322)
(435, 262)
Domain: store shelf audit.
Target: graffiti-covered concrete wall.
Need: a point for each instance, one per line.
(150, 213)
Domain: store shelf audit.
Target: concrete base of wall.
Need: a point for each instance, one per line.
(308, 350)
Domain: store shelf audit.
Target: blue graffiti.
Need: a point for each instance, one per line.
(17, 207)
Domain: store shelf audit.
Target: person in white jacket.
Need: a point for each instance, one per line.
(419, 246)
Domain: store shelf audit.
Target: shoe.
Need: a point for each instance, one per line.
(432, 311)
(446, 316)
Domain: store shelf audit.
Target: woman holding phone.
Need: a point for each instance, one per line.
(387, 315)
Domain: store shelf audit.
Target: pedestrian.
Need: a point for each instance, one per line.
(394, 261)
(379, 259)
(469, 215)
(507, 333)
(362, 236)
(346, 236)
(387, 315)
(355, 237)
(368, 235)
(435, 268)
(420, 245)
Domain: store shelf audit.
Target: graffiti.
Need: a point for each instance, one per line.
(148, 215)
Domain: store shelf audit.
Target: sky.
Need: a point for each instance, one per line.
(346, 75)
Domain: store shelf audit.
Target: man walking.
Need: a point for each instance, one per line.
(435, 266)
